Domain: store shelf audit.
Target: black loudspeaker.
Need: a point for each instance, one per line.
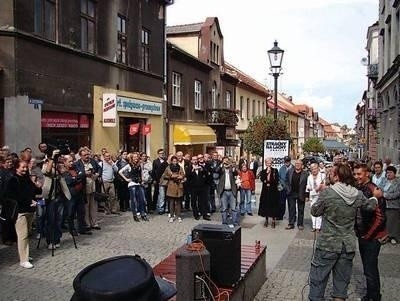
(224, 244)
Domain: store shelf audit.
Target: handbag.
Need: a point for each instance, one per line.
(9, 210)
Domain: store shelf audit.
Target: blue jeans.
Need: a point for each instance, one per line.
(136, 194)
(161, 199)
(322, 264)
(228, 200)
(41, 219)
(54, 215)
(245, 201)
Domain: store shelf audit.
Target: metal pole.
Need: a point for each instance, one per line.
(276, 96)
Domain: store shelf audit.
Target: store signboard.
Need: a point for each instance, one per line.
(277, 150)
(64, 120)
(133, 105)
(109, 110)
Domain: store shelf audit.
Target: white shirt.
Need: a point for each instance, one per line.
(313, 184)
(228, 185)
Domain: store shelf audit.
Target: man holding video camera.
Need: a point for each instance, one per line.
(55, 192)
(90, 168)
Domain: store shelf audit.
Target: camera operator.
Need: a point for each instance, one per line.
(91, 169)
(76, 205)
(55, 192)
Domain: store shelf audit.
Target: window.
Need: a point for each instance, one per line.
(176, 89)
(214, 53)
(248, 108)
(228, 99)
(214, 96)
(45, 19)
(241, 107)
(122, 39)
(88, 25)
(254, 108)
(145, 48)
(259, 108)
(197, 95)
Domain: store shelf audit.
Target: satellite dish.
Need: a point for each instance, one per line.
(364, 61)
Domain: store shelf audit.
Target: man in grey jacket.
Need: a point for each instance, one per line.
(335, 246)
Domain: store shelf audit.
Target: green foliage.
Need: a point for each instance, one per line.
(313, 145)
(263, 128)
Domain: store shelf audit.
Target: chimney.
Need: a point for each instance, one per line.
(290, 98)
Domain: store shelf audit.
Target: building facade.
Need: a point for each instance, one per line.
(388, 85)
(57, 57)
(205, 42)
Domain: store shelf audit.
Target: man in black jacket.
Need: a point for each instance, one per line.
(159, 166)
(197, 180)
(296, 182)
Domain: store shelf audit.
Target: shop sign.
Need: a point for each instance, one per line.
(133, 129)
(146, 129)
(277, 150)
(109, 110)
(133, 105)
(64, 120)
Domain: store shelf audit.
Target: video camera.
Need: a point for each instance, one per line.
(63, 147)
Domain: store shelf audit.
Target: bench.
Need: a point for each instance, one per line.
(253, 274)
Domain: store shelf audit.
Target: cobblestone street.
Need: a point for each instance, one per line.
(288, 258)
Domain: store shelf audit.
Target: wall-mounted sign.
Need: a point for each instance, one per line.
(64, 120)
(146, 129)
(133, 129)
(109, 110)
(133, 105)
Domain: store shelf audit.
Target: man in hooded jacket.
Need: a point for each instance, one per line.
(335, 246)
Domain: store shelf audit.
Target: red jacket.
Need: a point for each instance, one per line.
(248, 180)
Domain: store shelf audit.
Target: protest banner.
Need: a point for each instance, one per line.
(277, 150)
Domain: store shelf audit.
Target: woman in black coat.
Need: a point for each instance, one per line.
(269, 198)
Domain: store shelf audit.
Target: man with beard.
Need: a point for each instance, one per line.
(370, 228)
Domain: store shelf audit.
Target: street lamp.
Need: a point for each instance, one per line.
(275, 56)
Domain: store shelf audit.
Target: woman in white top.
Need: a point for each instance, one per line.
(314, 182)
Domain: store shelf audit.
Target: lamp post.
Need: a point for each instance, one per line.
(275, 56)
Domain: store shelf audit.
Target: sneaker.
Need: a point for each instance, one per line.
(26, 265)
(51, 247)
(38, 236)
(57, 245)
(393, 241)
(169, 215)
(179, 220)
(171, 220)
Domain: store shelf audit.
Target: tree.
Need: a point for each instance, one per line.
(313, 145)
(263, 128)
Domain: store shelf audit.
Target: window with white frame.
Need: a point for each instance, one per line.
(176, 88)
(214, 96)
(197, 95)
(228, 98)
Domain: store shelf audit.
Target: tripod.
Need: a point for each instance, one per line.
(51, 212)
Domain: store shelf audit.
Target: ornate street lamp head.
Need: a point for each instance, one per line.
(275, 55)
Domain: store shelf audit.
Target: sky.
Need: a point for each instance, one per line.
(324, 42)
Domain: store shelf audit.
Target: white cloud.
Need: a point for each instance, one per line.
(319, 103)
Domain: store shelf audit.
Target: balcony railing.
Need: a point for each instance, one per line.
(222, 117)
(371, 116)
(373, 71)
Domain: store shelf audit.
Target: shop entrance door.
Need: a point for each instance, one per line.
(130, 134)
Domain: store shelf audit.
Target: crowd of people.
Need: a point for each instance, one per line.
(58, 190)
